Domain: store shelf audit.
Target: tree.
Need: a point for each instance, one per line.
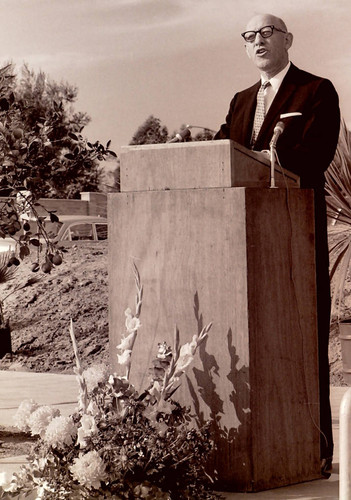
(41, 144)
(42, 154)
(205, 135)
(150, 132)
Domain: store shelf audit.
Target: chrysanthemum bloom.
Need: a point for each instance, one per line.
(6, 482)
(60, 431)
(94, 375)
(40, 419)
(89, 469)
(25, 409)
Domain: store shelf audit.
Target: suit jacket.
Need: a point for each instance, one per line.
(308, 143)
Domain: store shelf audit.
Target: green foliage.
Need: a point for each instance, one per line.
(41, 144)
(205, 135)
(338, 188)
(42, 154)
(150, 132)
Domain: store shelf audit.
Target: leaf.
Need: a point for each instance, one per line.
(24, 251)
(111, 153)
(53, 217)
(69, 156)
(73, 136)
(4, 104)
(34, 242)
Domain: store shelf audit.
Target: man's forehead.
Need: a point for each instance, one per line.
(259, 21)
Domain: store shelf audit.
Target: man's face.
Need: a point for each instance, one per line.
(270, 55)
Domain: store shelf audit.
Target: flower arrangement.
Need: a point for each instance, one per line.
(120, 443)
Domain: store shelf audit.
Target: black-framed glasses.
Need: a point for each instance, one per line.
(265, 32)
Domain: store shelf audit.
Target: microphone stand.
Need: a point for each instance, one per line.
(278, 129)
(273, 156)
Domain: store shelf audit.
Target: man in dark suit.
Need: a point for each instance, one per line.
(306, 147)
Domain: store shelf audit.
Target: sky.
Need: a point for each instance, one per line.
(179, 60)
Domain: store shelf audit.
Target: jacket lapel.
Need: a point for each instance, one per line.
(249, 114)
(284, 94)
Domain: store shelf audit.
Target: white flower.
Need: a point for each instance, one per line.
(156, 388)
(88, 427)
(124, 358)
(132, 324)
(40, 419)
(94, 375)
(186, 356)
(88, 424)
(89, 470)
(93, 408)
(126, 342)
(163, 350)
(40, 463)
(6, 482)
(60, 431)
(24, 411)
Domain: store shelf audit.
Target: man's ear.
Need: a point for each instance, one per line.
(288, 40)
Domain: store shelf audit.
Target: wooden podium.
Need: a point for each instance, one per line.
(213, 242)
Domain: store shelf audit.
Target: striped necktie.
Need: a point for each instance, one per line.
(260, 113)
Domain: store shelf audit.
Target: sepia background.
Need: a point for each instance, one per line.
(180, 60)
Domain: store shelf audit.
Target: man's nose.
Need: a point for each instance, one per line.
(258, 38)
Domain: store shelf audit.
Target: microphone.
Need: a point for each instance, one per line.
(278, 130)
(181, 136)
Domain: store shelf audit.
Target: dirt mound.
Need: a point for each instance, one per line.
(78, 289)
(40, 315)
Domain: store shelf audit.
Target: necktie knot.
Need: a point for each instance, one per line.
(260, 112)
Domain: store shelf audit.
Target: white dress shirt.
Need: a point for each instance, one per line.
(272, 89)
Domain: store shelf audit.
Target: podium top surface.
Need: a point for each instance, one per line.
(196, 165)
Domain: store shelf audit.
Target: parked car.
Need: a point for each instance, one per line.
(68, 231)
(72, 229)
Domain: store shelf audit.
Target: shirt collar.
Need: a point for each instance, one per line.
(276, 80)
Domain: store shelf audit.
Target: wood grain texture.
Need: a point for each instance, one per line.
(194, 165)
(283, 335)
(242, 258)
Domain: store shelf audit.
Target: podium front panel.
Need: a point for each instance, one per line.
(243, 259)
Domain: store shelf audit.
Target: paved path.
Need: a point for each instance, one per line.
(58, 390)
(61, 390)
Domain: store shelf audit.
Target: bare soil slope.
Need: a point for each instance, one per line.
(40, 315)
